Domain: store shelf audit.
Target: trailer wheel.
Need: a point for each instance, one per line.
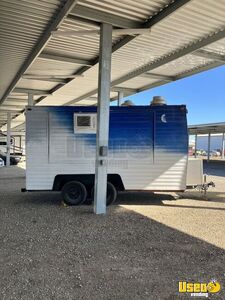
(111, 193)
(74, 193)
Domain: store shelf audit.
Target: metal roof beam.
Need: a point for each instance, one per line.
(9, 109)
(210, 55)
(83, 97)
(103, 17)
(167, 59)
(199, 70)
(167, 11)
(152, 85)
(57, 80)
(157, 76)
(20, 127)
(83, 20)
(95, 99)
(13, 104)
(172, 56)
(17, 100)
(153, 20)
(53, 25)
(33, 76)
(128, 91)
(60, 58)
(31, 91)
(182, 75)
(123, 89)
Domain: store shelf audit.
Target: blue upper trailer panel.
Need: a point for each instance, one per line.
(159, 127)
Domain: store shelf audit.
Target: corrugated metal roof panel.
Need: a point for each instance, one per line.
(21, 25)
(80, 85)
(182, 28)
(137, 82)
(130, 9)
(85, 47)
(56, 100)
(181, 65)
(36, 84)
(44, 67)
(188, 25)
(218, 47)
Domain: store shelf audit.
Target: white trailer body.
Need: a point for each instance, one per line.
(148, 146)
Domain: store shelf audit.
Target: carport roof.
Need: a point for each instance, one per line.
(186, 37)
(207, 128)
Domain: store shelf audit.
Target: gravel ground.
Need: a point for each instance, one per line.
(139, 250)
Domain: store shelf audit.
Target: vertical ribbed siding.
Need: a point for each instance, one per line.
(53, 148)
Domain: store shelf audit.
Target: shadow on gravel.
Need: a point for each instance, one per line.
(142, 198)
(145, 198)
(127, 198)
(51, 252)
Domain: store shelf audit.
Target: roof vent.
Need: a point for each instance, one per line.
(158, 100)
(127, 103)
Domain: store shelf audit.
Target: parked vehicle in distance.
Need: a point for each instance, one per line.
(1, 163)
(3, 143)
(190, 151)
(14, 159)
(200, 152)
(215, 153)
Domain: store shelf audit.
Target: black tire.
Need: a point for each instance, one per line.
(88, 200)
(74, 193)
(111, 194)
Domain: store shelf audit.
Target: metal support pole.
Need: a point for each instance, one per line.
(14, 146)
(196, 141)
(8, 139)
(209, 146)
(120, 97)
(102, 136)
(30, 99)
(223, 145)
